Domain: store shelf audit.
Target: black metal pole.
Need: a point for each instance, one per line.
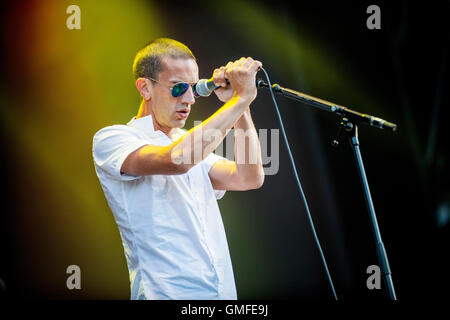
(352, 130)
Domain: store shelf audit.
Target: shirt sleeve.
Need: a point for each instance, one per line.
(111, 146)
(208, 162)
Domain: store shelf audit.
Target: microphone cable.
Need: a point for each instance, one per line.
(300, 185)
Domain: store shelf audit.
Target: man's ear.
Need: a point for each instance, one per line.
(144, 87)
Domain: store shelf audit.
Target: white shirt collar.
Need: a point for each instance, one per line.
(146, 124)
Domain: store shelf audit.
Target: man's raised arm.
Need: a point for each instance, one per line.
(200, 141)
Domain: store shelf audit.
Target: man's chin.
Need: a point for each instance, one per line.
(181, 118)
(179, 123)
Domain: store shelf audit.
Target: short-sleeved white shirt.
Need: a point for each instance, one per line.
(171, 227)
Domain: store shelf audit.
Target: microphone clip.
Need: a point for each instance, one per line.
(344, 124)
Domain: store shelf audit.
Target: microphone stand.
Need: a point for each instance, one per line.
(350, 121)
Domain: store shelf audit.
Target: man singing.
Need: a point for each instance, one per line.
(162, 182)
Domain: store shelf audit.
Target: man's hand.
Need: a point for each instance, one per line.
(242, 77)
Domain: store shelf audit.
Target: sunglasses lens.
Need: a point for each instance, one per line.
(179, 89)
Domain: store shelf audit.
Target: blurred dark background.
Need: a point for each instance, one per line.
(60, 86)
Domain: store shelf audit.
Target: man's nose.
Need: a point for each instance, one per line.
(188, 96)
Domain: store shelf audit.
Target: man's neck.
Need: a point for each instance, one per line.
(145, 110)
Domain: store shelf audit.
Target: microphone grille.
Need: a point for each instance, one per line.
(202, 88)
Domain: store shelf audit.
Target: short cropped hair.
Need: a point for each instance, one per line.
(147, 63)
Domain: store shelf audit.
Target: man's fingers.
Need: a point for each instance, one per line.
(224, 72)
(241, 74)
(236, 65)
(247, 63)
(240, 62)
(250, 65)
(228, 69)
(242, 66)
(219, 77)
(255, 65)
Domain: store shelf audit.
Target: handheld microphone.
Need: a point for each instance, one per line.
(204, 87)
